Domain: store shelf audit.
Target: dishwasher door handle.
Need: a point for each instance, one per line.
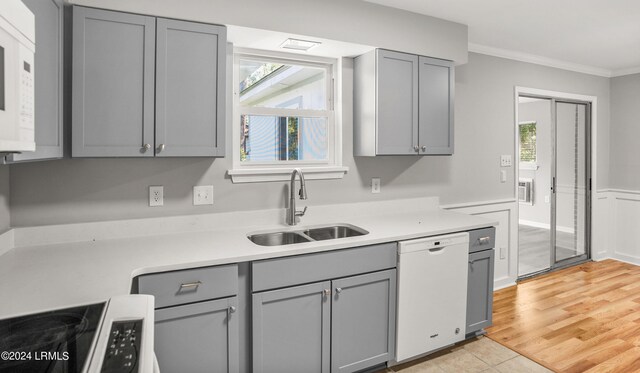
(436, 250)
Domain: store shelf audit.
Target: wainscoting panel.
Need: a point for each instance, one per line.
(506, 250)
(617, 225)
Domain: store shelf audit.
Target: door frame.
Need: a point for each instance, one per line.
(556, 96)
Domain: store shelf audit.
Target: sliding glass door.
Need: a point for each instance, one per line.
(553, 183)
(570, 183)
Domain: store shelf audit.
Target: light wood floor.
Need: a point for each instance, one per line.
(581, 319)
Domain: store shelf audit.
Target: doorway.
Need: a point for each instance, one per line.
(554, 182)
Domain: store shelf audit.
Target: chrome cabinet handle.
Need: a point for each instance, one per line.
(160, 148)
(424, 148)
(146, 147)
(232, 309)
(484, 240)
(189, 285)
(326, 292)
(416, 148)
(338, 290)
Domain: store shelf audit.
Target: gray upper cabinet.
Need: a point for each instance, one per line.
(190, 89)
(48, 81)
(397, 111)
(113, 83)
(291, 329)
(146, 86)
(403, 104)
(198, 337)
(363, 321)
(435, 113)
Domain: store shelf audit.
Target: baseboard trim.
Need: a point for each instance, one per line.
(7, 240)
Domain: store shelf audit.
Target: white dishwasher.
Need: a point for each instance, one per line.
(432, 293)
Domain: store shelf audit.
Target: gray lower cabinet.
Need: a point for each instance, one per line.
(363, 321)
(291, 329)
(403, 104)
(146, 86)
(344, 325)
(48, 81)
(480, 290)
(198, 337)
(197, 318)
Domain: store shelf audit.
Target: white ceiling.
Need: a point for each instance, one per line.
(592, 36)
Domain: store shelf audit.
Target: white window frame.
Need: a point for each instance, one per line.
(260, 171)
(527, 165)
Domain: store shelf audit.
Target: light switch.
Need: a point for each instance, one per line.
(203, 195)
(505, 160)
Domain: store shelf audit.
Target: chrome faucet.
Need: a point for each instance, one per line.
(291, 211)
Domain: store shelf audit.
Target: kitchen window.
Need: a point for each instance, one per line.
(284, 117)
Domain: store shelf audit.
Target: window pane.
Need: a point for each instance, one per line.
(272, 138)
(275, 85)
(528, 142)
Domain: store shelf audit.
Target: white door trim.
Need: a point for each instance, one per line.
(518, 90)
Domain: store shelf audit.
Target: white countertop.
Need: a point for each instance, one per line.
(57, 275)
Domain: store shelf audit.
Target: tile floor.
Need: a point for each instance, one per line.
(473, 356)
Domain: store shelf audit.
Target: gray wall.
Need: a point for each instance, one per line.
(5, 218)
(105, 189)
(539, 112)
(625, 132)
(353, 21)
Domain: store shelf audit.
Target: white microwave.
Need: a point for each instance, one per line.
(17, 49)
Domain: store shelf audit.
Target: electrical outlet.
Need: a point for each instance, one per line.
(203, 195)
(156, 195)
(503, 253)
(547, 199)
(375, 185)
(503, 176)
(505, 160)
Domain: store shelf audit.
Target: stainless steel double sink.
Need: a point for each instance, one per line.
(320, 233)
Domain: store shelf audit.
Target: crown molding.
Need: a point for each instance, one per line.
(539, 60)
(629, 71)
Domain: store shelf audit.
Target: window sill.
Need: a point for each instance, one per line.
(528, 166)
(258, 175)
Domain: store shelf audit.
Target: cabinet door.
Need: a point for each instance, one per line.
(436, 106)
(363, 321)
(48, 81)
(190, 89)
(480, 291)
(291, 329)
(198, 337)
(397, 103)
(113, 83)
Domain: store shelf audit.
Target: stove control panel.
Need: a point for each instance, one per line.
(122, 350)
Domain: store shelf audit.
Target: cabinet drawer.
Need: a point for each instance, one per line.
(191, 285)
(302, 269)
(482, 239)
